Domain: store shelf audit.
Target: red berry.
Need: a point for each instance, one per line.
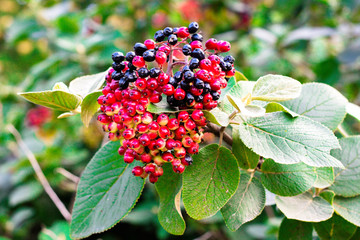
(173, 124)
(153, 178)
(207, 98)
(158, 171)
(167, 157)
(180, 132)
(216, 85)
(211, 44)
(223, 46)
(163, 119)
(215, 59)
(168, 90)
(155, 98)
(164, 48)
(170, 144)
(147, 118)
(147, 93)
(163, 79)
(190, 125)
(153, 126)
(195, 91)
(134, 94)
(142, 128)
(160, 143)
(193, 149)
(129, 133)
(179, 169)
(160, 57)
(138, 61)
(137, 171)
(197, 115)
(195, 44)
(149, 43)
(176, 162)
(150, 168)
(183, 32)
(180, 153)
(164, 132)
(187, 141)
(128, 158)
(121, 150)
(198, 106)
(104, 119)
(144, 101)
(153, 135)
(140, 83)
(179, 94)
(205, 64)
(183, 116)
(152, 83)
(145, 157)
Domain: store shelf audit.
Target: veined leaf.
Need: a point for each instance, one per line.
(290, 140)
(87, 84)
(217, 116)
(325, 177)
(335, 228)
(246, 158)
(169, 188)
(210, 181)
(291, 229)
(321, 103)
(277, 107)
(106, 193)
(89, 107)
(348, 208)
(240, 90)
(276, 88)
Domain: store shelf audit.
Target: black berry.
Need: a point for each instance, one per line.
(186, 49)
(159, 36)
(193, 27)
(139, 48)
(117, 57)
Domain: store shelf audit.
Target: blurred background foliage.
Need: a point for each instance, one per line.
(44, 42)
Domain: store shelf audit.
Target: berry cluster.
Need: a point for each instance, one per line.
(138, 79)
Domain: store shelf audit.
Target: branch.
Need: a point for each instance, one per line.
(213, 128)
(42, 179)
(68, 175)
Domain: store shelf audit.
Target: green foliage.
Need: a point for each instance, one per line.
(246, 158)
(291, 229)
(210, 181)
(335, 228)
(169, 190)
(107, 192)
(348, 208)
(89, 107)
(246, 204)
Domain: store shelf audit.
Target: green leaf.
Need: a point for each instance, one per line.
(246, 204)
(161, 107)
(60, 86)
(246, 158)
(246, 110)
(106, 193)
(240, 90)
(335, 228)
(287, 179)
(321, 103)
(328, 195)
(89, 107)
(348, 208)
(276, 88)
(356, 235)
(169, 189)
(325, 177)
(239, 76)
(87, 84)
(347, 180)
(210, 181)
(25, 193)
(291, 229)
(278, 107)
(217, 116)
(66, 115)
(305, 207)
(290, 140)
(58, 100)
(353, 110)
(230, 84)
(60, 230)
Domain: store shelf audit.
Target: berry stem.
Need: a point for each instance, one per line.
(170, 64)
(221, 135)
(215, 129)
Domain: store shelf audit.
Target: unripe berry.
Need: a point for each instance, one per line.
(112, 127)
(167, 157)
(140, 150)
(187, 141)
(140, 109)
(137, 171)
(196, 137)
(180, 153)
(163, 119)
(147, 118)
(134, 143)
(183, 116)
(157, 158)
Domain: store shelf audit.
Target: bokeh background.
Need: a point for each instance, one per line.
(44, 42)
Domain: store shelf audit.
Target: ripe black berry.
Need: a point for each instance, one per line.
(199, 84)
(130, 76)
(199, 98)
(171, 100)
(215, 95)
(168, 31)
(189, 98)
(207, 88)
(159, 36)
(194, 63)
(173, 82)
(186, 49)
(116, 75)
(229, 59)
(188, 159)
(130, 56)
(189, 76)
(184, 85)
(193, 27)
(139, 48)
(172, 40)
(198, 53)
(225, 66)
(123, 84)
(143, 72)
(118, 57)
(149, 55)
(155, 72)
(197, 37)
(185, 69)
(118, 66)
(178, 76)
